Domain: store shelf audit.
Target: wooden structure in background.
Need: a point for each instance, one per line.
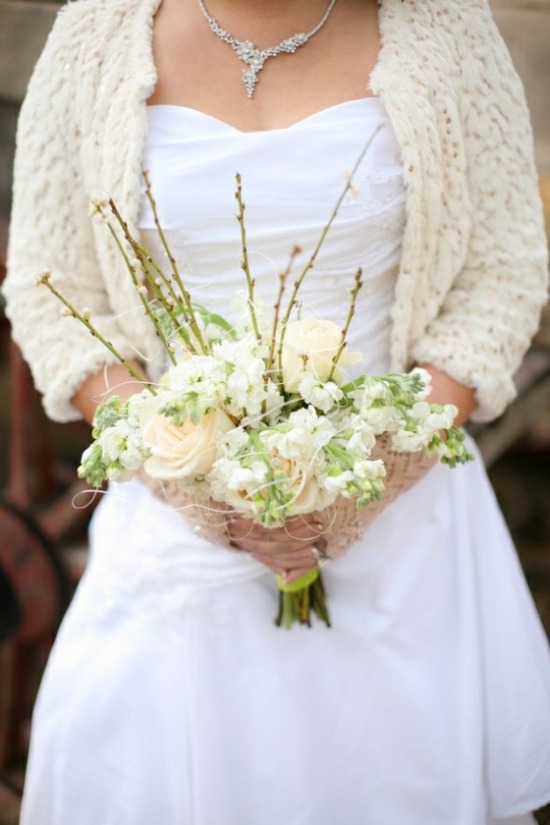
(34, 583)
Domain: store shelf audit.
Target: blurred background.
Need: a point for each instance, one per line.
(42, 534)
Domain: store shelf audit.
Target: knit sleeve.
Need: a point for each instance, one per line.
(50, 228)
(492, 311)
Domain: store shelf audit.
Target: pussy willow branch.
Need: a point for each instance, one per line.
(313, 257)
(145, 302)
(351, 312)
(84, 318)
(245, 264)
(191, 319)
(283, 276)
(168, 302)
(146, 261)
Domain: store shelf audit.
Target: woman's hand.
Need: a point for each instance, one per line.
(290, 550)
(445, 390)
(96, 389)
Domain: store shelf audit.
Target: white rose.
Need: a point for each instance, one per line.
(309, 346)
(181, 452)
(302, 483)
(241, 486)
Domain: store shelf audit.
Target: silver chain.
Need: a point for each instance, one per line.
(255, 58)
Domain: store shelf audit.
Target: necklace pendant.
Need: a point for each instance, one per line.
(254, 59)
(250, 78)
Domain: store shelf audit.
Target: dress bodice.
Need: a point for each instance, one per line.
(291, 180)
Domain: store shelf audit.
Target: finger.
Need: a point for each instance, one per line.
(289, 573)
(287, 559)
(296, 528)
(292, 575)
(282, 549)
(268, 541)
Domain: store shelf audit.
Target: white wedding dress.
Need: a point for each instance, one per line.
(170, 696)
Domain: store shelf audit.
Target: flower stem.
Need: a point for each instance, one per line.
(301, 598)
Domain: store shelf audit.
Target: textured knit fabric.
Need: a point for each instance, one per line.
(474, 264)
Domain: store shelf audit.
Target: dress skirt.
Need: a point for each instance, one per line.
(172, 697)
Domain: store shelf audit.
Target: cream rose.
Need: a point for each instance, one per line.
(303, 484)
(181, 452)
(240, 487)
(309, 346)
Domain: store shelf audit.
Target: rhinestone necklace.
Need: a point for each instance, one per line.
(256, 58)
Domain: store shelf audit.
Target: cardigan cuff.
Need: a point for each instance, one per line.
(494, 388)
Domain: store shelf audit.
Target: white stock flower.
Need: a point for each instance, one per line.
(133, 456)
(363, 437)
(295, 443)
(122, 444)
(201, 374)
(247, 478)
(244, 374)
(237, 485)
(233, 441)
(334, 484)
(245, 387)
(274, 401)
(315, 428)
(379, 419)
(370, 470)
(426, 379)
(429, 420)
(309, 346)
(408, 442)
(371, 391)
(113, 441)
(420, 410)
(323, 396)
(443, 419)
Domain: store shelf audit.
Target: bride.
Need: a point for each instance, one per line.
(169, 695)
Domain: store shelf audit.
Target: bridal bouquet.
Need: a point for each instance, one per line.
(255, 411)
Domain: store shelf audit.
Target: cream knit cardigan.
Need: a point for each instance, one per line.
(474, 264)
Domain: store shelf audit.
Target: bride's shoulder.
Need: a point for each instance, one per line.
(87, 33)
(451, 16)
(460, 33)
(91, 21)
